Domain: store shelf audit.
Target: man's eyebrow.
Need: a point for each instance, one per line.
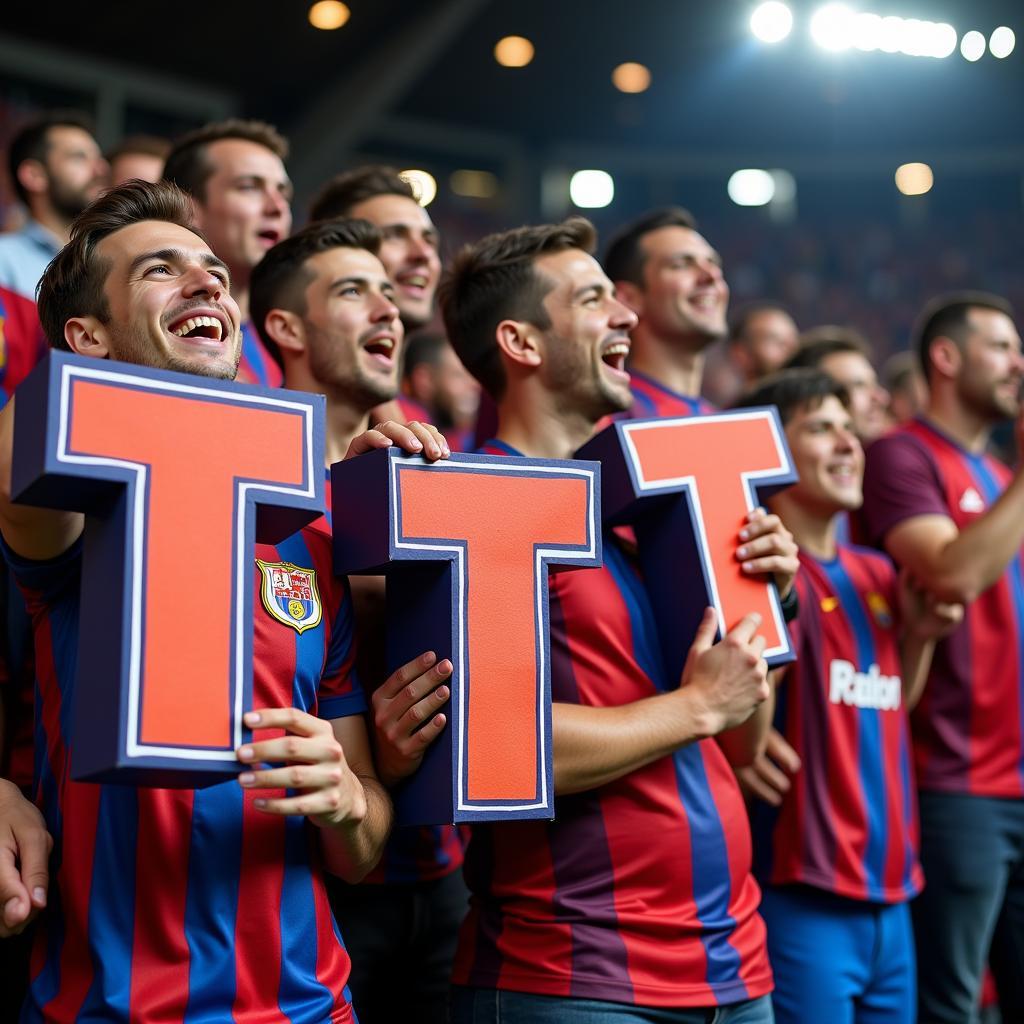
(208, 259)
(594, 286)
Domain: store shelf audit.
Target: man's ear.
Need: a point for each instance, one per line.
(32, 177)
(945, 356)
(86, 336)
(630, 295)
(518, 342)
(286, 329)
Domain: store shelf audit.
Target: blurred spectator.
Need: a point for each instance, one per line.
(138, 156)
(762, 339)
(434, 377)
(908, 390)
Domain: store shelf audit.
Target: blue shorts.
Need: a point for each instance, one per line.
(839, 960)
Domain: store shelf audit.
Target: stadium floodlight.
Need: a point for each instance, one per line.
(972, 46)
(771, 22)
(867, 31)
(832, 27)
(591, 190)
(751, 187)
(422, 183)
(914, 179)
(1002, 42)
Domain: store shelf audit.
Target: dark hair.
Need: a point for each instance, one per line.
(280, 279)
(495, 279)
(342, 193)
(144, 145)
(32, 142)
(899, 369)
(625, 257)
(423, 348)
(819, 343)
(793, 390)
(72, 285)
(188, 165)
(741, 321)
(946, 317)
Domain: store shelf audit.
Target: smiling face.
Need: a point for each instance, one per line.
(168, 301)
(245, 206)
(828, 458)
(409, 252)
(352, 328)
(869, 401)
(684, 297)
(585, 348)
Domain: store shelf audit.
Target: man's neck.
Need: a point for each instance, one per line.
(969, 429)
(57, 226)
(539, 429)
(344, 421)
(813, 531)
(672, 365)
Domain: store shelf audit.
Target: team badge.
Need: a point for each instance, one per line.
(829, 604)
(290, 594)
(880, 609)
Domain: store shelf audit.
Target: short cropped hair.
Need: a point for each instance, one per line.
(819, 343)
(188, 164)
(495, 279)
(741, 321)
(72, 285)
(144, 145)
(625, 257)
(33, 141)
(946, 317)
(424, 348)
(793, 390)
(280, 279)
(346, 191)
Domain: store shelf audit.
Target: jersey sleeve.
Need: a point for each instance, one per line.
(340, 693)
(900, 481)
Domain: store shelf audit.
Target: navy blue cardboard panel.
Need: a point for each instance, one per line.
(114, 493)
(428, 583)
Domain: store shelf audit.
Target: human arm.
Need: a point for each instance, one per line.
(767, 776)
(722, 684)
(925, 619)
(330, 764)
(25, 848)
(34, 533)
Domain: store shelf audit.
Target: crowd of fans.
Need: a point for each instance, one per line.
(736, 845)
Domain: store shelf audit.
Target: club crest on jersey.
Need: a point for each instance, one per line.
(880, 609)
(290, 594)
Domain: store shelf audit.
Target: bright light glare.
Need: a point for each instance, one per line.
(474, 184)
(914, 179)
(631, 77)
(972, 46)
(591, 190)
(943, 40)
(328, 15)
(771, 22)
(867, 31)
(751, 187)
(423, 184)
(513, 51)
(832, 27)
(1002, 42)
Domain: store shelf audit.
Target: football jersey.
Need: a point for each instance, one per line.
(653, 399)
(412, 853)
(257, 365)
(186, 905)
(967, 727)
(849, 822)
(22, 343)
(639, 891)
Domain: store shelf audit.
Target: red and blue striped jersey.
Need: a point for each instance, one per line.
(186, 905)
(968, 728)
(849, 823)
(22, 342)
(651, 399)
(639, 891)
(257, 365)
(412, 853)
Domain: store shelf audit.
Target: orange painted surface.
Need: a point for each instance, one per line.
(715, 452)
(502, 519)
(195, 450)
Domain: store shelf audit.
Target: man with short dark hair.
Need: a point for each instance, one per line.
(953, 517)
(762, 338)
(636, 902)
(212, 898)
(234, 170)
(845, 354)
(56, 169)
(138, 156)
(433, 376)
(409, 251)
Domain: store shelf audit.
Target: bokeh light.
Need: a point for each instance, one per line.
(591, 190)
(751, 187)
(771, 22)
(423, 184)
(914, 179)
(328, 15)
(631, 77)
(513, 52)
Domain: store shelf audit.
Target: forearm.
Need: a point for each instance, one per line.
(915, 661)
(594, 746)
(352, 849)
(745, 742)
